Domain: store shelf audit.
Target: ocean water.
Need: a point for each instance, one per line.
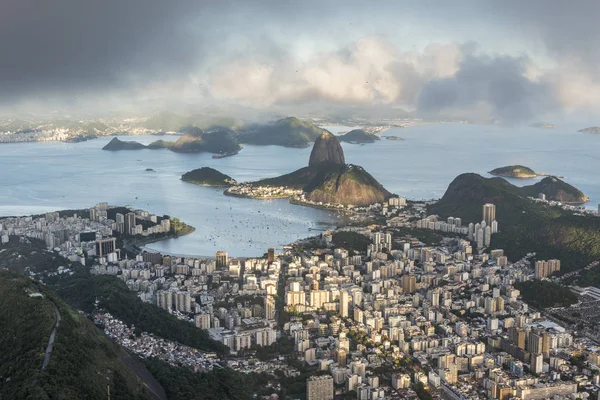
(39, 177)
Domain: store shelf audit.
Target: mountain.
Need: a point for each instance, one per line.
(207, 176)
(358, 136)
(115, 144)
(591, 129)
(160, 144)
(82, 361)
(171, 122)
(346, 184)
(514, 171)
(216, 140)
(525, 226)
(287, 132)
(294, 180)
(326, 149)
(327, 179)
(556, 190)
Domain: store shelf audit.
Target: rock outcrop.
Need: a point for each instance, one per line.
(326, 149)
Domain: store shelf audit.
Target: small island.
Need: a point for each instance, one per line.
(115, 144)
(207, 176)
(515, 171)
(394, 138)
(591, 129)
(358, 136)
(544, 125)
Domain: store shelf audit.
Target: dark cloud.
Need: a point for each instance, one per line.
(144, 52)
(498, 82)
(78, 46)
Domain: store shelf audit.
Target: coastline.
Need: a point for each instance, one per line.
(247, 196)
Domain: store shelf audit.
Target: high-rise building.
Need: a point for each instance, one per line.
(494, 226)
(319, 388)
(203, 321)
(537, 363)
(544, 269)
(120, 221)
(487, 236)
(105, 246)
(409, 284)
(130, 224)
(221, 259)
(344, 300)
(270, 255)
(93, 214)
(489, 213)
(269, 307)
(318, 298)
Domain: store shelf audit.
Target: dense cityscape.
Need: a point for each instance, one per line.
(387, 316)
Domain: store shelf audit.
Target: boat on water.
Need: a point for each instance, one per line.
(223, 155)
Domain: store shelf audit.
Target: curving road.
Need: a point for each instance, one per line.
(52, 335)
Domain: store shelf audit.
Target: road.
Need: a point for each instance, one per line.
(52, 335)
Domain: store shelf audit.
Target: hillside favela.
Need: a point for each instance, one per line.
(330, 200)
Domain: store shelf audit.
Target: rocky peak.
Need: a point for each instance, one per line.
(326, 149)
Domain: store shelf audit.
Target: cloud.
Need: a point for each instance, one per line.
(442, 79)
(501, 83)
(531, 58)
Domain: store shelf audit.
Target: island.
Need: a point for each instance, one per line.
(207, 176)
(591, 129)
(217, 140)
(327, 181)
(358, 136)
(394, 138)
(116, 144)
(544, 125)
(286, 132)
(514, 171)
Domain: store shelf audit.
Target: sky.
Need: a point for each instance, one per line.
(508, 60)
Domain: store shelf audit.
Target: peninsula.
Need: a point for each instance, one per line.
(591, 129)
(327, 181)
(207, 176)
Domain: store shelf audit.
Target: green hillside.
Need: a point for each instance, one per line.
(295, 180)
(557, 190)
(115, 145)
(358, 136)
(207, 176)
(525, 226)
(514, 171)
(287, 132)
(197, 141)
(82, 363)
(346, 184)
(545, 294)
(82, 290)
